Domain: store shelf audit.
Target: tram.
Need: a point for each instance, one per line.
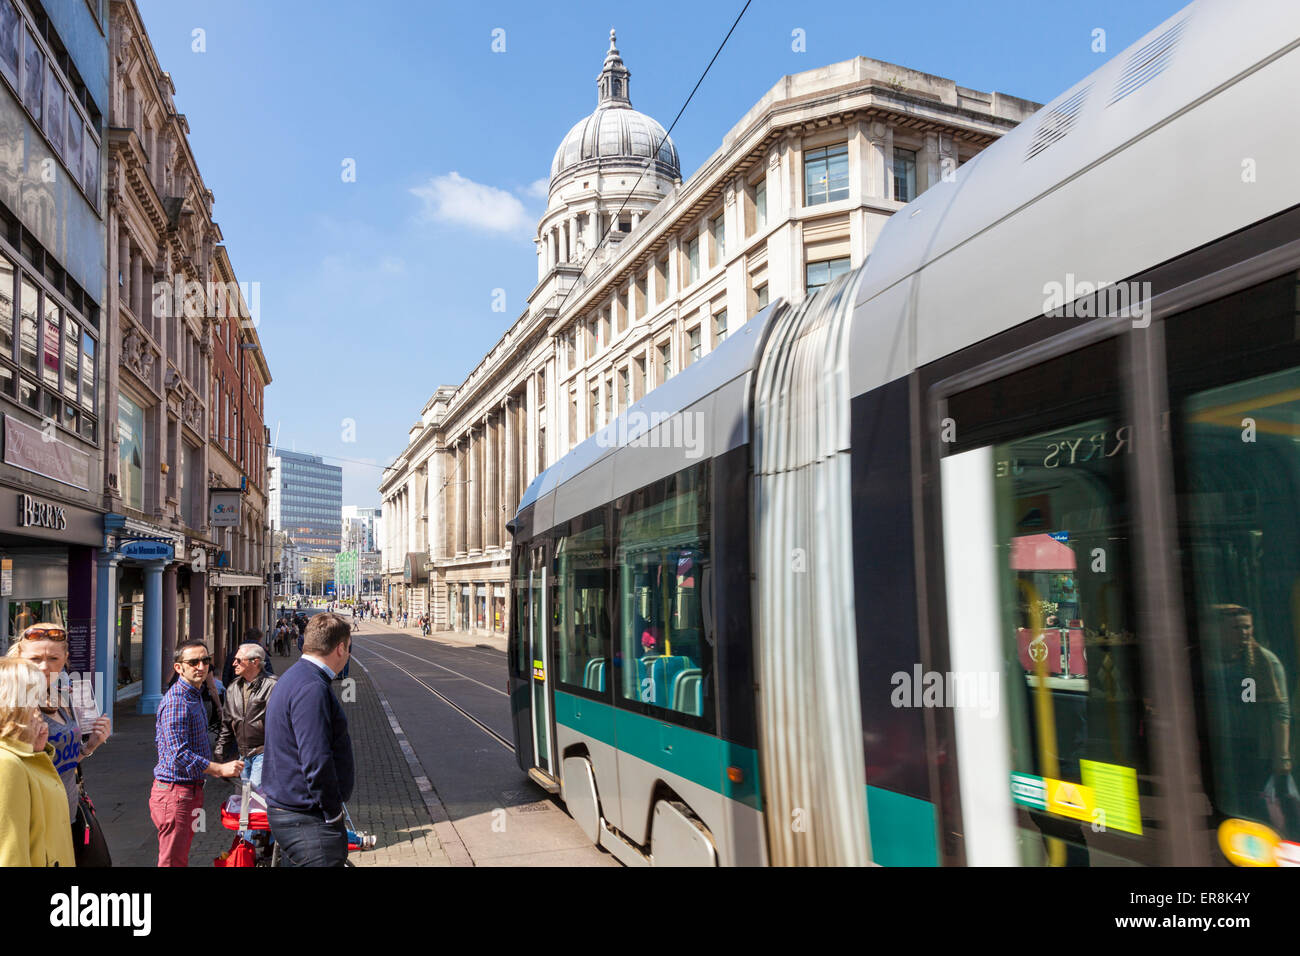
(989, 552)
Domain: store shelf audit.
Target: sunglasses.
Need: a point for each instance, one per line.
(196, 661)
(38, 633)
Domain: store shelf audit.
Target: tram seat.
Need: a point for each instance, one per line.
(662, 671)
(688, 692)
(594, 676)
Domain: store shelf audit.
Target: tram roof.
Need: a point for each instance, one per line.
(1134, 165)
(719, 423)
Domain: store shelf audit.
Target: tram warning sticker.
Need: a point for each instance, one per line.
(1070, 799)
(1116, 790)
(1029, 791)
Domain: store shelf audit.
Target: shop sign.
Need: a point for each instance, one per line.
(33, 513)
(223, 504)
(27, 448)
(146, 550)
(6, 577)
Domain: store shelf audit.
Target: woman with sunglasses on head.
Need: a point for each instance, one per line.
(34, 825)
(46, 646)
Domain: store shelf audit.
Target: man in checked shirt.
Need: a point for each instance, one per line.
(184, 756)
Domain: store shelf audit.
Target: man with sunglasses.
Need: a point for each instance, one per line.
(184, 756)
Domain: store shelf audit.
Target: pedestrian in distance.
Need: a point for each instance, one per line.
(308, 773)
(243, 723)
(184, 756)
(35, 829)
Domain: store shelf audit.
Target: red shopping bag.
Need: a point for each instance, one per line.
(241, 853)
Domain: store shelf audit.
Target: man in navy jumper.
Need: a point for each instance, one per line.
(307, 772)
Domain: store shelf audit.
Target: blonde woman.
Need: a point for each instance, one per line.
(46, 646)
(34, 826)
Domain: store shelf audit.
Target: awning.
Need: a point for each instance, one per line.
(219, 579)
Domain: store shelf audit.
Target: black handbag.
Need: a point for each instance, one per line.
(88, 843)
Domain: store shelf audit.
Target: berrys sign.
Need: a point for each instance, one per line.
(147, 550)
(40, 514)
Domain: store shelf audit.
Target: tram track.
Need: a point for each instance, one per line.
(367, 649)
(425, 660)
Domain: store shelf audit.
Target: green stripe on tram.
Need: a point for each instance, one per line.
(902, 829)
(698, 757)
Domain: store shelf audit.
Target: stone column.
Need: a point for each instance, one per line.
(491, 489)
(152, 657)
(474, 508)
(511, 491)
(573, 238)
(462, 496)
(106, 630)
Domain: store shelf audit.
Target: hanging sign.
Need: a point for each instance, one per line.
(146, 550)
(223, 507)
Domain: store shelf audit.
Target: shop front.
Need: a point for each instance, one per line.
(47, 570)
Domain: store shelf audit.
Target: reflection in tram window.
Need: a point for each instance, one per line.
(1062, 519)
(664, 655)
(1077, 713)
(1242, 467)
(582, 584)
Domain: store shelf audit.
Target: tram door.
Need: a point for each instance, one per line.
(538, 583)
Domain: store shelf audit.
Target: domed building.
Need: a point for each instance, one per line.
(616, 162)
(640, 274)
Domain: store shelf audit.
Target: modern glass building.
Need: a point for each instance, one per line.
(307, 500)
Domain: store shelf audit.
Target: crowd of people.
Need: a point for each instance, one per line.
(286, 737)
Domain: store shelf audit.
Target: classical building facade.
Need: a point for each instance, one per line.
(173, 302)
(237, 462)
(641, 274)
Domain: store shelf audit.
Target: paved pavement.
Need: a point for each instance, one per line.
(387, 801)
(448, 691)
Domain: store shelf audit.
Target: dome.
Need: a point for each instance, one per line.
(615, 134)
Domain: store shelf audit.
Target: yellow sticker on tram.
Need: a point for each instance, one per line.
(1246, 843)
(1116, 790)
(1070, 799)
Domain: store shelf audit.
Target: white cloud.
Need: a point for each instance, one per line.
(453, 198)
(539, 188)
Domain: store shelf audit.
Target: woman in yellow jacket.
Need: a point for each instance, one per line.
(34, 825)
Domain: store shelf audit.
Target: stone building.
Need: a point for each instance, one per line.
(237, 460)
(174, 299)
(641, 274)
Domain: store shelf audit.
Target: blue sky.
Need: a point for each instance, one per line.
(374, 292)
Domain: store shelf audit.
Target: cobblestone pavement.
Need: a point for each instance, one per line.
(386, 800)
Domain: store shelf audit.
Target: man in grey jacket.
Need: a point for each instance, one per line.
(243, 719)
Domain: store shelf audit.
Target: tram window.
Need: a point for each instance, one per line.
(1056, 453)
(582, 604)
(664, 657)
(1235, 375)
(519, 619)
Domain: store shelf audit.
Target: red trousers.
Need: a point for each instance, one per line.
(171, 807)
